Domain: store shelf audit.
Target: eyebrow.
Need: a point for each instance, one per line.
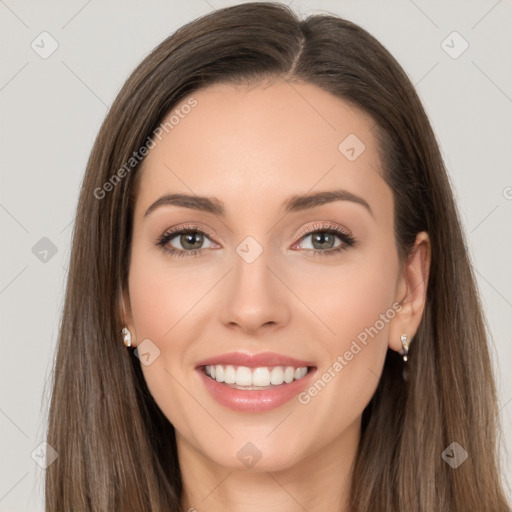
(293, 204)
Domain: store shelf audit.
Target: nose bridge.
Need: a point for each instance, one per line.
(254, 298)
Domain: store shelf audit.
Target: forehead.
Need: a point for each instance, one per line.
(265, 141)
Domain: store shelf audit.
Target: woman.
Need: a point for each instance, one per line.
(274, 238)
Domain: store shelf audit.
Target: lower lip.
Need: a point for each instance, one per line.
(257, 400)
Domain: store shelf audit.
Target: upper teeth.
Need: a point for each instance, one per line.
(263, 376)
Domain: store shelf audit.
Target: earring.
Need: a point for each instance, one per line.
(405, 345)
(127, 337)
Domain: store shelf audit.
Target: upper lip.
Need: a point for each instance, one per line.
(254, 360)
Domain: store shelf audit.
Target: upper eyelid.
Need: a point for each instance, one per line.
(323, 226)
(185, 229)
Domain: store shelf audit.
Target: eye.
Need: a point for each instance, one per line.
(323, 240)
(190, 240)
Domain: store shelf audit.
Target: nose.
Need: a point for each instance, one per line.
(255, 298)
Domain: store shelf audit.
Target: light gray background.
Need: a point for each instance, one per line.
(51, 110)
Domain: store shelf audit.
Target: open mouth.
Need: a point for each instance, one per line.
(260, 378)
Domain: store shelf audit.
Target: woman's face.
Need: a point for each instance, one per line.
(271, 275)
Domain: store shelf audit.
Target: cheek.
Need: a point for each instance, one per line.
(162, 294)
(348, 298)
(357, 308)
(159, 304)
(165, 300)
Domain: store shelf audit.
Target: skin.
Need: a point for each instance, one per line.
(252, 148)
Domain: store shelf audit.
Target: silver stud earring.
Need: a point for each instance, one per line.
(405, 345)
(127, 337)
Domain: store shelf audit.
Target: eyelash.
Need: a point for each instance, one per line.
(347, 239)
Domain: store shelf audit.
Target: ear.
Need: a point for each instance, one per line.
(411, 292)
(126, 314)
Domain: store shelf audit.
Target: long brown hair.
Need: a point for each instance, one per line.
(116, 449)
